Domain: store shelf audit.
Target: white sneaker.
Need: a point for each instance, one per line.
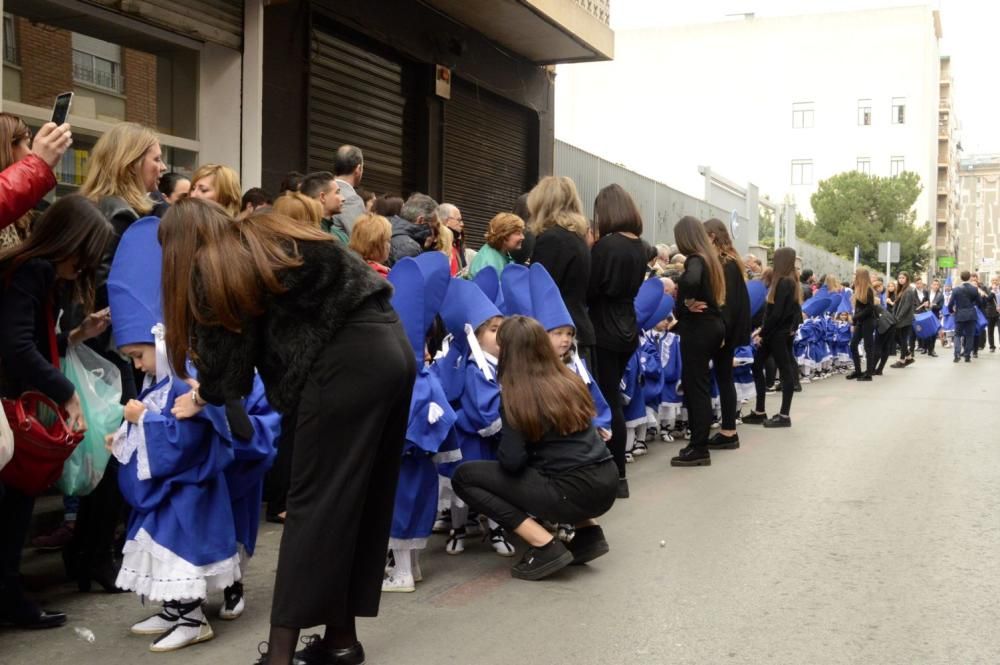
(418, 575)
(443, 522)
(191, 628)
(233, 603)
(640, 449)
(629, 458)
(158, 623)
(398, 583)
(456, 542)
(500, 543)
(665, 436)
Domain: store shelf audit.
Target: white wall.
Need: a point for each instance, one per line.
(721, 95)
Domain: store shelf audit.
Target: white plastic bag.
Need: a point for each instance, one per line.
(99, 384)
(6, 440)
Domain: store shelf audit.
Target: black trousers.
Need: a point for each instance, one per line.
(350, 429)
(96, 522)
(864, 331)
(965, 338)
(776, 346)
(15, 520)
(991, 325)
(280, 475)
(610, 369)
(905, 337)
(701, 339)
(722, 361)
(509, 499)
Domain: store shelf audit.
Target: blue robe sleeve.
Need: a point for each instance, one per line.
(431, 417)
(266, 427)
(174, 446)
(602, 420)
(480, 403)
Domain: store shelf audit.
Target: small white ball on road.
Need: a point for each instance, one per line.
(663, 543)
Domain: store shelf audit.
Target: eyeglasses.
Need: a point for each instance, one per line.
(454, 219)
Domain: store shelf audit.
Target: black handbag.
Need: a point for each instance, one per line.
(884, 320)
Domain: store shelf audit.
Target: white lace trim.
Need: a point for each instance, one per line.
(491, 429)
(138, 432)
(446, 456)
(132, 438)
(153, 571)
(407, 543)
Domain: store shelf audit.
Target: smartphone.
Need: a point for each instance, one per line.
(60, 110)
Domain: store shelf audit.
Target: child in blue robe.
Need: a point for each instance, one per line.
(181, 537)
(743, 360)
(652, 306)
(670, 399)
(473, 321)
(420, 287)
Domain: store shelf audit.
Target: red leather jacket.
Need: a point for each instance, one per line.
(22, 185)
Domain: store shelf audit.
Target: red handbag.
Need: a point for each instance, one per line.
(43, 440)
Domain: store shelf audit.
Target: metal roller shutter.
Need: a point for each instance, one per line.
(359, 98)
(487, 156)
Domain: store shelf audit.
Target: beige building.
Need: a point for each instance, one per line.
(944, 242)
(978, 241)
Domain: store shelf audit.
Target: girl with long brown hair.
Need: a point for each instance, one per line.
(701, 293)
(782, 315)
(863, 325)
(736, 316)
(551, 463)
(315, 321)
(15, 145)
(905, 312)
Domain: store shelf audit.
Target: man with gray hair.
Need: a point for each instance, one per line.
(449, 215)
(413, 228)
(348, 168)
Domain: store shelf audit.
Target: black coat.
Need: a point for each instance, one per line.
(284, 342)
(566, 257)
(26, 305)
(937, 302)
(736, 310)
(964, 299)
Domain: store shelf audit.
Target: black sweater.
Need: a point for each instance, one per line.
(25, 356)
(695, 284)
(863, 311)
(617, 270)
(553, 454)
(284, 341)
(736, 310)
(783, 315)
(566, 257)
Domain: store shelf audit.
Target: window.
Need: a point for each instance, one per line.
(9, 41)
(864, 112)
(896, 166)
(898, 115)
(802, 171)
(802, 115)
(864, 165)
(97, 71)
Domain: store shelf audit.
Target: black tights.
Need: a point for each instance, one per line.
(864, 331)
(282, 641)
(610, 369)
(777, 347)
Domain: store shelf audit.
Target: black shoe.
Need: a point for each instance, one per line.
(754, 418)
(798, 387)
(17, 611)
(910, 361)
(588, 543)
(778, 420)
(105, 573)
(540, 562)
(993, 349)
(318, 653)
(933, 354)
(899, 364)
(852, 376)
(722, 441)
(877, 372)
(956, 359)
(623, 488)
(968, 359)
(975, 354)
(865, 377)
(692, 457)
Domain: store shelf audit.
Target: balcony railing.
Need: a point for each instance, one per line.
(98, 78)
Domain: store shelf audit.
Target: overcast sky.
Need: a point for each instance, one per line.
(970, 30)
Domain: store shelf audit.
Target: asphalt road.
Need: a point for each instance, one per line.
(865, 534)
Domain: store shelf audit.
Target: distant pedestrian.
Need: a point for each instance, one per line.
(964, 300)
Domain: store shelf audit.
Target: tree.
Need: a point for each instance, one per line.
(765, 229)
(853, 208)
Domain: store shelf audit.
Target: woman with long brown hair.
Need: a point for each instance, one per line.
(15, 145)
(60, 257)
(701, 294)
(863, 325)
(782, 315)
(736, 316)
(287, 299)
(905, 312)
(551, 463)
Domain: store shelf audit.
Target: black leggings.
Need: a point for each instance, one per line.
(722, 361)
(509, 499)
(776, 346)
(864, 331)
(904, 337)
(610, 369)
(700, 342)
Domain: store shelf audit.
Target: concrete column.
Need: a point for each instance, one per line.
(219, 106)
(253, 94)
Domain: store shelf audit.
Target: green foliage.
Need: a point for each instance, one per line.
(852, 208)
(765, 229)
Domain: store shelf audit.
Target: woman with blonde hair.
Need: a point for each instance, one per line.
(370, 238)
(299, 207)
(504, 234)
(560, 229)
(124, 168)
(218, 183)
(863, 325)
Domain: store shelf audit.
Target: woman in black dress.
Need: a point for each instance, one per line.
(863, 325)
(782, 315)
(317, 324)
(736, 316)
(701, 293)
(617, 270)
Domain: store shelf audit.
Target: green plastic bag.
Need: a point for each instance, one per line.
(99, 384)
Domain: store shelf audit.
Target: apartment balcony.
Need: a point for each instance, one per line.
(543, 31)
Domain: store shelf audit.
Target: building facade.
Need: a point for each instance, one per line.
(979, 225)
(946, 221)
(781, 102)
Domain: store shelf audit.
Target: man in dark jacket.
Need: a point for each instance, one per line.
(936, 299)
(806, 278)
(964, 300)
(414, 228)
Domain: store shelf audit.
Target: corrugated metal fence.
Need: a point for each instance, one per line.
(660, 205)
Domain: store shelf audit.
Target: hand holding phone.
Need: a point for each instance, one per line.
(60, 110)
